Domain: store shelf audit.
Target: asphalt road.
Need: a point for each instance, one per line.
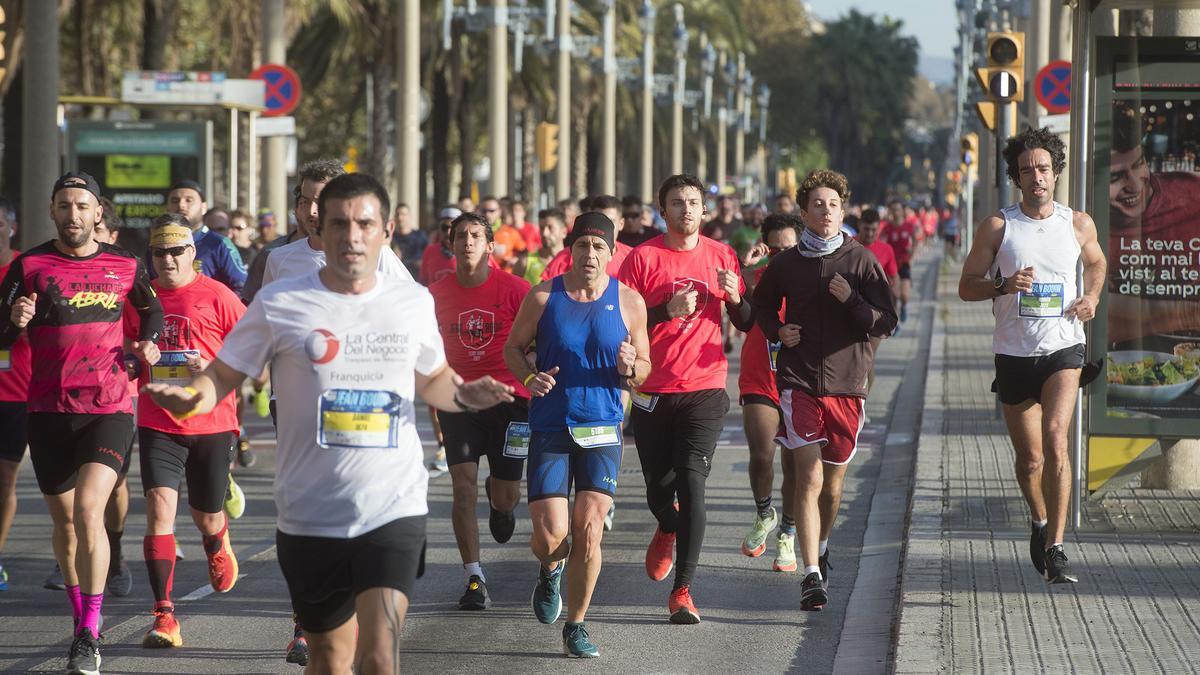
(750, 615)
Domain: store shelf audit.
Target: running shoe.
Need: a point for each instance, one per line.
(55, 582)
(1037, 548)
(223, 566)
(577, 643)
(501, 523)
(1058, 570)
(438, 466)
(812, 593)
(660, 555)
(235, 499)
(165, 631)
(3, 579)
(608, 517)
(904, 312)
(84, 657)
(756, 539)
(547, 596)
(824, 564)
(297, 649)
(178, 552)
(245, 456)
(120, 580)
(683, 610)
(262, 401)
(476, 597)
(785, 558)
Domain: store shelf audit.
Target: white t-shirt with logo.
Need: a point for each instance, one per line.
(299, 258)
(349, 460)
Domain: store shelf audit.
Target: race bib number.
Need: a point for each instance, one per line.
(773, 350)
(172, 368)
(1045, 301)
(516, 440)
(596, 436)
(644, 401)
(5, 360)
(358, 418)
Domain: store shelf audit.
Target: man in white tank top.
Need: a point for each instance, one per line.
(1024, 260)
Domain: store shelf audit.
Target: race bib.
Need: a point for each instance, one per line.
(644, 401)
(773, 349)
(596, 436)
(172, 368)
(516, 440)
(1045, 301)
(5, 360)
(358, 418)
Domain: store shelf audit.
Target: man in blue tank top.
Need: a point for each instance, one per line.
(591, 338)
(1024, 259)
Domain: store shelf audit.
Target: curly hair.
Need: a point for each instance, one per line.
(781, 221)
(1034, 139)
(822, 178)
(1127, 127)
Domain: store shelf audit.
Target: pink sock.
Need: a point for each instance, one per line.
(91, 613)
(76, 600)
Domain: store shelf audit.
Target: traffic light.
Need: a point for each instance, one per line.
(1004, 77)
(970, 148)
(3, 34)
(545, 144)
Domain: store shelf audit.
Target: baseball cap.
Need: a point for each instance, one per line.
(594, 224)
(76, 179)
(189, 184)
(170, 235)
(449, 212)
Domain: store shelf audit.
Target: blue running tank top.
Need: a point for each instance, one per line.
(582, 339)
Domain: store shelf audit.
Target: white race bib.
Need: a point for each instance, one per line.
(596, 436)
(644, 401)
(516, 440)
(1045, 301)
(172, 367)
(5, 360)
(358, 418)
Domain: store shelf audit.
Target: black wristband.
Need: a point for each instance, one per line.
(463, 407)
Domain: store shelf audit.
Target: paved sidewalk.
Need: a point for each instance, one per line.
(972, 601)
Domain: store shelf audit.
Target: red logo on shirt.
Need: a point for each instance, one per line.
(321, 346)
(476, 328)
(701, 288)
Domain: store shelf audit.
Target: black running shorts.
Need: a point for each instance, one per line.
(905, 271)
(13, 431)
(60, 443)
(469, 436)
(681, 431)
(325, 574)
(166, 458)
(1020, 378)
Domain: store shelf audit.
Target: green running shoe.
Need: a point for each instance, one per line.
(756, 539)
(235, 499)
(577, 643)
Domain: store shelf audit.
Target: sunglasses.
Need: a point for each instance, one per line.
(174, 251)
(240, 227)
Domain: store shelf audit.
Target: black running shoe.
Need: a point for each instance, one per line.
(812, 594)
(84, 657)
(245, 456)
(1037, 548)
(476, 597)
(1058, 570)
(501, 523)
(823, 563)
(120, 580)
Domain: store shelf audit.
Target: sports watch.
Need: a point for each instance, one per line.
(998, 283)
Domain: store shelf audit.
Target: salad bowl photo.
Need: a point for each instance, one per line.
(1151, 377)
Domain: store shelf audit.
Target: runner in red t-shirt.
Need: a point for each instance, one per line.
(609, 206)
(679, 412)
(198, 314)
(868, 236)
(760, 409)
(901, 234)
(14, 392)
(475, 308)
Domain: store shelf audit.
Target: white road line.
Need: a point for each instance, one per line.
(204, 591)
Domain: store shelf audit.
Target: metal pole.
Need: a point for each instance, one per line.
(40, 164)
(562, 174)
(1004, 121)
(498, 97)
(608, 131)
(408, 108)
(1081, 92)
(739, 137)
(722, 130)
(274, 159)
(233, 159)
(252, 164)
(677, 99)
(968, 226)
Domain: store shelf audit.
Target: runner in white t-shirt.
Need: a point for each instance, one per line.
(305, 255)
(348, 349)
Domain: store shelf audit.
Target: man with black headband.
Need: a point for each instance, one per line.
(67, 295)
(216, 256)
(590, 332)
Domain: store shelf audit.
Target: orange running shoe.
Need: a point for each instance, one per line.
(683, 610)
(165, 631)
(660, 555)
(223, 566)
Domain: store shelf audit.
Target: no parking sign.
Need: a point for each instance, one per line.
(1052, 85)
(282, 90)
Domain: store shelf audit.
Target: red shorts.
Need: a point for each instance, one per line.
(832, 421)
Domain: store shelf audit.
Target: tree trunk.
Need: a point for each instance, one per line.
(579, 153)
(462, 115)
(439, 145)
(158, 19)
(528, 150)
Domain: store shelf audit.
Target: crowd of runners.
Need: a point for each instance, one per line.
(540, 347)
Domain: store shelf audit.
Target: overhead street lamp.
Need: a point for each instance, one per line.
(680, 39)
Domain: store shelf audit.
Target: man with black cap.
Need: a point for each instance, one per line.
(590, 332)
(216, 256)
(68, 295)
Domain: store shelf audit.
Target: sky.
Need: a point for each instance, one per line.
(932, 22)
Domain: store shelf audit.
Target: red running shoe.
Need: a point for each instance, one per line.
(683, 610)
(223, 566)
(660, 555)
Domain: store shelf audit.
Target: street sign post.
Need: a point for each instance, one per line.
(282, 91)
(1052, 85)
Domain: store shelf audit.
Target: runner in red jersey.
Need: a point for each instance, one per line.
(475, 309)
(760, 409)
(609, 206)
(14, 390)
(68, 295)
(901, 234)
(868, 236)
(198, 313)
(679, 412)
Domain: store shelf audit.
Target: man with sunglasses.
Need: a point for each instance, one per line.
(438, 260)
(633, 228)
(199, 313)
